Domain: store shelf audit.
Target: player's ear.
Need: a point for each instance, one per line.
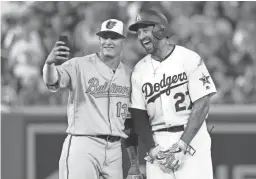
(125, 40)
(100, 39)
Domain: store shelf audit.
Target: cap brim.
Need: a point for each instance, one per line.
(134, 27)
(101, 33)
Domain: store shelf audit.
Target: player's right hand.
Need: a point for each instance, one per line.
(160, 157)
(60, 53)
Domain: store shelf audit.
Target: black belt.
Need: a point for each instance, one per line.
(171, 129)
(109, 138)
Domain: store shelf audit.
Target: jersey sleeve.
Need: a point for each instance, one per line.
(66, 76)
(137, 98)
(200, 82)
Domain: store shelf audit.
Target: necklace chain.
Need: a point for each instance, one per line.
(158, 65)
(154, 67)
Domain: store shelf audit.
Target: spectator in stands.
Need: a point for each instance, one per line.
(222, 32)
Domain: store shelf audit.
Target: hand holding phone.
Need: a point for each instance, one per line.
(64, 38)
(60, 53)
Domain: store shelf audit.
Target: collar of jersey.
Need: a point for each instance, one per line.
(119, 65)
(169, 54)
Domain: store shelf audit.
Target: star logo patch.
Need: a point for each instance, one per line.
(205, 80)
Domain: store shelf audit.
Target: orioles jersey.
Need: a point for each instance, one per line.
(168, 89)
(98, 98)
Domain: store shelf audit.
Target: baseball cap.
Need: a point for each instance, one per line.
(148, 17)
(113, 26)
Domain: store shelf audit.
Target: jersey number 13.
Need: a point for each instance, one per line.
(121, 110)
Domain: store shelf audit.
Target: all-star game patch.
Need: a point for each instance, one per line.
(205, 80)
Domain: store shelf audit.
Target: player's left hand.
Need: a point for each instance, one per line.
(175, 159)
(134, 173)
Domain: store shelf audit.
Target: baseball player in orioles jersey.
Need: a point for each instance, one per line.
(99, 96)
(171, 87)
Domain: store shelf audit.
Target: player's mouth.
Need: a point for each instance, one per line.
(146, 43)
(108, 48)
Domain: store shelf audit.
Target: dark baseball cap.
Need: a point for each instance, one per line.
(148, 17)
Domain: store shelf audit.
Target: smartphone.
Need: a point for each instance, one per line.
(64, 38)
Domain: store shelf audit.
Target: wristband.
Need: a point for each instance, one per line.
(186, 147)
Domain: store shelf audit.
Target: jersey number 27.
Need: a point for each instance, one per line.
(179, 103)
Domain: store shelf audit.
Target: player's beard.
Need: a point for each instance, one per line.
(151, 47)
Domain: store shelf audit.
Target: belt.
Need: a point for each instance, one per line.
(109, 138)
(171, 129)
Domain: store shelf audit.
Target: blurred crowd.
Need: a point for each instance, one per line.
(222, 32)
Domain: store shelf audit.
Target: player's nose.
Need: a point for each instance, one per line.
(141, 35)
(108, 41)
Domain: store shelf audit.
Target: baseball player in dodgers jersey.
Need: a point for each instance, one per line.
(99, 96)
(171, 89)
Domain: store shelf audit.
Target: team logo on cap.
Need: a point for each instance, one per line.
(110, 24)
(138, 17)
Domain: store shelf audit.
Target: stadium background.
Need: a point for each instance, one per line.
(33, 120)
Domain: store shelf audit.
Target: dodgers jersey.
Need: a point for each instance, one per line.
(98, 98)
(167, 89)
